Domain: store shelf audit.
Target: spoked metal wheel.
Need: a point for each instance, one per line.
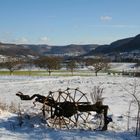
(66, 113)
(69, 99)
(87, 119)
(80, 98)
(56, 116)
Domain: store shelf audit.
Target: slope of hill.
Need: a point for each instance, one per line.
(71, 49)
(29, 49)
(123, 45)
(133, 44)
(15, 50)
(119, 46)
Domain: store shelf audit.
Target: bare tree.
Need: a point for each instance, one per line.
(136, 99)
(12, 64)
(98, 64)
(29, 63)
(71, 65)
(49, 63)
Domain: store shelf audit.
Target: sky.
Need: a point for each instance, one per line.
(63, 22)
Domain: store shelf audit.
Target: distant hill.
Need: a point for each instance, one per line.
(72, 49)
(35, 50)
(15, 50)
(123, 45)
(119, 46)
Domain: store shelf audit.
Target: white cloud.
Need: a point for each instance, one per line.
(22, 40)
(105, 18)
(43, 40)
(9, 37)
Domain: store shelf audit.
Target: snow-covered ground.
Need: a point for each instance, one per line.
(123, 67)
(115, 96)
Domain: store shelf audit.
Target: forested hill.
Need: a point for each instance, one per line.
(123, 45)
(29, 49)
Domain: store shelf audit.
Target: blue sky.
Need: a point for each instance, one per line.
(60, 22)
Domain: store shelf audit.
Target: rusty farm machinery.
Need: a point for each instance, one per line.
(71, 108)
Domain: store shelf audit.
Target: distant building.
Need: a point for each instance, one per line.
(3, 58)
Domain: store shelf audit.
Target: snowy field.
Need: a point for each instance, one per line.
(115, 96)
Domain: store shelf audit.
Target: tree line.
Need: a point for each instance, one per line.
(51, 63)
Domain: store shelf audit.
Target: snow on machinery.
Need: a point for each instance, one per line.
(71, 108)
